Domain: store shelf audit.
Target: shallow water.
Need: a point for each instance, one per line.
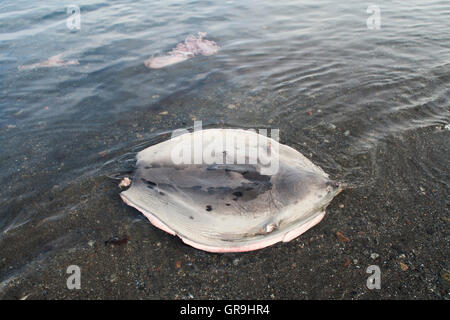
(338, 91)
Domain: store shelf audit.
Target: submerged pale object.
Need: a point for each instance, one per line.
(54, 61)
(242, 201)
(190, 48)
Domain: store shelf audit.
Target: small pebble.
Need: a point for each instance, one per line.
(113, 278)
(125, 182)
(24, 297)
(341, 237)
(422, 189)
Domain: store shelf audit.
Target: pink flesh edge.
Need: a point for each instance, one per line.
(286, 237)
(265, 243)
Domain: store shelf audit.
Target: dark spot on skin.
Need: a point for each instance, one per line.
(255, 176)
(162, 193)
(237, 194)
(211, 190)
(227, 204)
(191, 217)
(208, 208)
(149, 184)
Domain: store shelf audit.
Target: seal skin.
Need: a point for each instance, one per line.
(191, 47)
(229, 207)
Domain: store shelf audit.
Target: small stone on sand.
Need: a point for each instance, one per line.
(347, 262)
(403, 266)
(341, 237)
(125, 182)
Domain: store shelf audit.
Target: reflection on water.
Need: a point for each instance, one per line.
(336, 89)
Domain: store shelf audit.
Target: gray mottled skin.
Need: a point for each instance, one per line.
(217, 203)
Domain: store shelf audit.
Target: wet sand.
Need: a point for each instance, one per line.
(399, 222)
